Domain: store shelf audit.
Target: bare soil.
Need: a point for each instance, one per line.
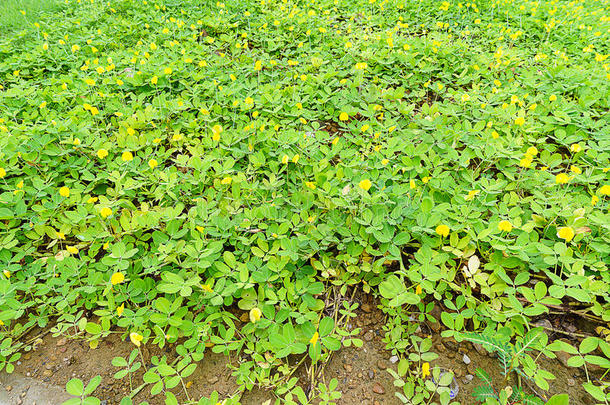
(361, 372)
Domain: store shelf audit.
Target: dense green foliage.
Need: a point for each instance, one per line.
(167, 166)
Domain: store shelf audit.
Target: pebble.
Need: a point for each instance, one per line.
(348, 367)
(49, 366)
(571, 382)
(213, 380)
(480, 349)
(378, 389)
(563, 358)
(47, 373)
(466, 359)
(458, 372)
(463, 350)
(27, 356)
(468, 378)
(61, 342)
(9, 388)
(359, 375)
(393, 359)
(368, 336)
(381, 365)
(471, 369)
(371, 374)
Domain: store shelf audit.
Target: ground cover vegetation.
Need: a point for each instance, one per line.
(223, 176)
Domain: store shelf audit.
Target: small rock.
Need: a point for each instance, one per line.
(359, 375)
(28, 374)
(63, 349)
(563, 358)
(458, 372)
(371, 374)
(571, 382)
(468, 378)
(471, 369)
(466, 359)
(61, 342)
(393, 359)
(463, 350)
(9, 388)
(49, 366)
(376, 403)
(368, 336)
(381, 365)
(545, 323)
(348, 367)
(378, 389)
(47, 373)
(27, 356)
(479, 349)
(434, 326)
(213, 380)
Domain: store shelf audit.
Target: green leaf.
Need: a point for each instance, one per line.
(75, 387)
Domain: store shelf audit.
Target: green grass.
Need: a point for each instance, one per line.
(12, 15)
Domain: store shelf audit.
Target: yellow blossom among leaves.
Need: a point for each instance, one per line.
(105, 212)
(314, 338)
(64, 192)
(117, 278)
(425, 369)
(102, 153)
(505, 226)
(566, 233)
(442, 230)
(255, 315)
(127, 156)
(562, 178)
(605, 189)
(136, 338)
(120, 309)
(343, 116)
(365, 184)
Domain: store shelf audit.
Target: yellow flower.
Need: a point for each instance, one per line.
(418, 290)
(425, 180)
(562, 178)
(153, 163)
(206, 288)
(575, 169)
(102, 153)
(385, 161)
(412, 184)
(594, 200)
(519, 121)
(258, 65)
(120, 309)
(72, 249)
(177, 137)
(505, 226)
(425, 369)
(471, 195)
(255, 315)
(525, 162)
(90, 82)
(2, 172)
(285, 159)
(442, 230)
(127, 156)
(154, 79)
(226, 180)
(295, 158)
(343, 116)
(575, 148)
(566, 233)
(136, 338)
(314, 338)
(64, 192)
(6, 273)
(117, 278)
(167, 71)
(365, 184)
(605, 189)
(465, 97)
(105, 212)
(532, 151)
(310, 184)
(92, 200)
(43, 104)
(216, 131)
